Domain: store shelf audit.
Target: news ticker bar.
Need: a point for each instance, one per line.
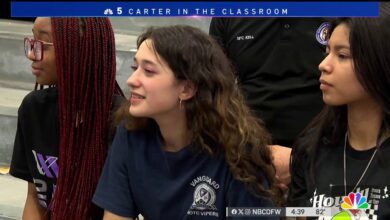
(280, 212)
(208, 9)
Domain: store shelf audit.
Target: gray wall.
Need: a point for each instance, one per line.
(7, 135)
(15, 70)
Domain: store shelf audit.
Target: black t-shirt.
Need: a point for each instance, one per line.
(327, 189)
(36, 147)
(35, 156)
(277, 67)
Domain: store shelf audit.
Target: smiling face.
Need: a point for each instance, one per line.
(155, 91)
(339, 83)
(45, 69)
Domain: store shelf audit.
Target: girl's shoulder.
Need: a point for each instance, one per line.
(384, 152)
(39, 103)
(310, 144)
(39, 97)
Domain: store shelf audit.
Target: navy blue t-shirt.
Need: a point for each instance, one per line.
(139, 177)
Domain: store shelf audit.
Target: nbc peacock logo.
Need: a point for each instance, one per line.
(354, 206)
(354, 201)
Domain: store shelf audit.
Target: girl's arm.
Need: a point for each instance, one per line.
(32, 209)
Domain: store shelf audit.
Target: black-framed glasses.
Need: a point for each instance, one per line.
(35, 46)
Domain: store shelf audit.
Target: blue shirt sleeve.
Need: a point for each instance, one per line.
(113, 192)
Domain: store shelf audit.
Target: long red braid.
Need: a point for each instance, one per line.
(86, 66)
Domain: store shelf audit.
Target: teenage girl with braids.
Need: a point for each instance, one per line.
(63, 131)
(347, 148)
(188, 147)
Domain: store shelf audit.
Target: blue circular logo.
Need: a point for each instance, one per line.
(322, 32)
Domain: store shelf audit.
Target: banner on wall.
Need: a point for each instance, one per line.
(205, 9)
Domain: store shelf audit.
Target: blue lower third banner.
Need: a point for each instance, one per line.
(214, 9)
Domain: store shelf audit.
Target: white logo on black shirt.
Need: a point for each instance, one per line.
(245, 37)
(204, 197)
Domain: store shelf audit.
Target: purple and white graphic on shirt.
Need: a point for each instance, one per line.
(41, 188)
(46, 165)
(43, 191)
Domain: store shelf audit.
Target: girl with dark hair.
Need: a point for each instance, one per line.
(64, 131)
(345, 151)
(189, 147)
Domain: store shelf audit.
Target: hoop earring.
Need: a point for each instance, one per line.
(180, 105)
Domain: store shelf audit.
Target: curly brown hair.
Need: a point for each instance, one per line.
(219, 119)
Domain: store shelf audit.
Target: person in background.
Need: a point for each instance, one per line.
(64, 130)
(275, 62)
